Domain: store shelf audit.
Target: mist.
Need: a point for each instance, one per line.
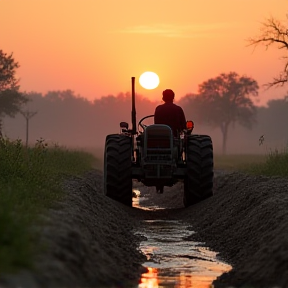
(66, 119)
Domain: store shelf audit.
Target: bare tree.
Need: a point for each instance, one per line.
(274, 33)
(27, 115)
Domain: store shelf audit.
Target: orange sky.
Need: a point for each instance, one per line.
(94, 47)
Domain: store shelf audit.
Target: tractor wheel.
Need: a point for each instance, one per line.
(198, 184)
(118, 168)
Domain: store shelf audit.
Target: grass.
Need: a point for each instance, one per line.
(275, 163)
(30, 181)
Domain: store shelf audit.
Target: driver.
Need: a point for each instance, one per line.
(170, 114)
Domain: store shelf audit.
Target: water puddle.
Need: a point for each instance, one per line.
(138, 199)
(174, 260)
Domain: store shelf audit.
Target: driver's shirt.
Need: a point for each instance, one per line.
(172, 115)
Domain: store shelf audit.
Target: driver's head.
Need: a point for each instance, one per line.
(168, 95)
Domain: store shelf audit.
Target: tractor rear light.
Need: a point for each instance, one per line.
(189, 125)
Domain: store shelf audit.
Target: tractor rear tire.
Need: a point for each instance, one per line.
(198, 185)
(118, 168)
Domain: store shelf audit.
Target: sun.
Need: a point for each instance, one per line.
(149, 80)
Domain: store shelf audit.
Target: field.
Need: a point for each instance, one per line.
(272, 164)
(30, 182)
(236, 162)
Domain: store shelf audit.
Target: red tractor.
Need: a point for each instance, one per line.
(153, 156)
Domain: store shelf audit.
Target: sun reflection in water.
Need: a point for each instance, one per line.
(149, 279)
(153, 279)
(136, 201)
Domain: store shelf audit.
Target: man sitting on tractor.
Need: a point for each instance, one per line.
(170, 114)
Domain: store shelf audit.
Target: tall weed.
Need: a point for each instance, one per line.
(30, 182)
(276, 164)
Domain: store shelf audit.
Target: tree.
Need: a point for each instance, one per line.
(28, 115)
(274, 33)
(11, 99)
(226, 100)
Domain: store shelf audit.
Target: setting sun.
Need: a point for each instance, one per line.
(149, 80)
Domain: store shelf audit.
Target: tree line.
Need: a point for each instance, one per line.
(63, 118)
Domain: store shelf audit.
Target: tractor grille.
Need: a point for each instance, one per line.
(158, 157)
(154, 141)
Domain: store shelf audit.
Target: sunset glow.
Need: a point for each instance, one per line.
(95, 47)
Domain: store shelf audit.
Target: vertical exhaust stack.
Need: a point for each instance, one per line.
(133, 114)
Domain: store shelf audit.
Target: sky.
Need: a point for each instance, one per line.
(94, 47)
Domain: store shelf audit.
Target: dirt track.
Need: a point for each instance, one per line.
(91, 243)
(247, 222)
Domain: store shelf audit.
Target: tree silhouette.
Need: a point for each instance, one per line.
(224, 100)
(273, 33)
(78, 123)
(11, 99)
(27, 115)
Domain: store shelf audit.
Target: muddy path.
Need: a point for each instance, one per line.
(246, 221)
(174, 259)
(93, 241)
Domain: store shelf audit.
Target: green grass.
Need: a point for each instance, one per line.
(275, 163)
(98, 153)
(30, 181)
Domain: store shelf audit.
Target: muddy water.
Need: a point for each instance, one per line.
(173, 260)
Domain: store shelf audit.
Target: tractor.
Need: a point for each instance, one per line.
(151, 155)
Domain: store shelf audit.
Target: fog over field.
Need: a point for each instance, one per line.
(67, 119)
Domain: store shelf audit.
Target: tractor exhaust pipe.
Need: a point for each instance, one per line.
(133, 114)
